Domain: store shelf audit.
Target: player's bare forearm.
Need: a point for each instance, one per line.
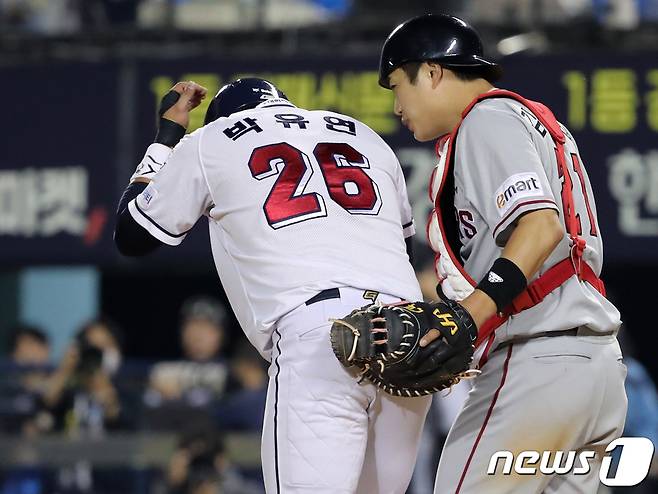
(190, 96)
(534, 238)
(174, 112)
(536, 235)
(480, 306)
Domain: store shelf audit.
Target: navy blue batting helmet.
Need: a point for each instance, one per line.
(440, 38)
(239, 95)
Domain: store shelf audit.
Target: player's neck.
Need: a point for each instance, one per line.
(465, 94)
(471, 90)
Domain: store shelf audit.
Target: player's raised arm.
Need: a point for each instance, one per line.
(132, 236)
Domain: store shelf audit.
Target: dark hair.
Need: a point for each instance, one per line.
(110, 325)
(30, 331)
(462, 73)
(411, 69)
(469, 73)
(206, 439)
(246, 353)
(203, 307)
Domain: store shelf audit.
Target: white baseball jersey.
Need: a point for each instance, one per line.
(297, 201)
(505, 165)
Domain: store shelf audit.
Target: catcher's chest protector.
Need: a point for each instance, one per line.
(443, 233)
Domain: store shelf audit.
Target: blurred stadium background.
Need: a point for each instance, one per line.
(132, 376)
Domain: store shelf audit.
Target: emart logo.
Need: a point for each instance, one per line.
(626, 463)
(516, 187)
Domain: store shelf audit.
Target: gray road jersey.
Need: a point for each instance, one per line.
(505, 166)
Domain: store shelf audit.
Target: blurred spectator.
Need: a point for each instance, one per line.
(39, 16)
(202, 329)
(526, 13)
(335, 7)
(102, 335)
(107, 13)
(649, 10)
(24, 379)
(617, 14)
(642, 414)
(200, 378)
(81, 394)
(625, 14)
(244, 408)
(66, 16)
(15, 13)
(29, 346)
(200, 466)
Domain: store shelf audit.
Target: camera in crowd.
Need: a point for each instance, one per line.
(90, 358)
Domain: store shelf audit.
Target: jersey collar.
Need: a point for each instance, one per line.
(438, 146)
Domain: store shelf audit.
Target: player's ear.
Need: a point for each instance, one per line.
(435, 73)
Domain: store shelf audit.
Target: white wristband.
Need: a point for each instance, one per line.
(155, 158)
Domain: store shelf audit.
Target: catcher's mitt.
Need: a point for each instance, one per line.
(384, 342)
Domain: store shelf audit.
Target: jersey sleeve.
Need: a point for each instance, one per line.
(177, 196)
(502, 170)
(406, 213)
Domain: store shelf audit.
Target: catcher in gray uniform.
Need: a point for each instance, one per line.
(518, 255)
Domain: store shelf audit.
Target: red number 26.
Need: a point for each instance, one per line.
(342, 168)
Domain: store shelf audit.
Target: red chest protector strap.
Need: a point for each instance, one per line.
(563, 270)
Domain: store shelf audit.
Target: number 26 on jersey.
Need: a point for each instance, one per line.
(342, 169)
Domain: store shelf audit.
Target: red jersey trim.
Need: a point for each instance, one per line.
(519, 205)
(439, 214)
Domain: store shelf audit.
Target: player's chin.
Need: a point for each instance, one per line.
(424, 133)
(422, 136)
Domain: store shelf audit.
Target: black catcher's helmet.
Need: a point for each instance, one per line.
(239, 95)
(440, 38)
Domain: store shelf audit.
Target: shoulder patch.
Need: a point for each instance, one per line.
(518, 186)
(148, 194)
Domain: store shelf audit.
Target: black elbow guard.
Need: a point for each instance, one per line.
(130, 238)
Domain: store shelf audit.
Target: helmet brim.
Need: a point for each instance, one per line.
(491, 71)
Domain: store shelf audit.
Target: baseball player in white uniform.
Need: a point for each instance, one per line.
(308, 215)
(518, 245)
